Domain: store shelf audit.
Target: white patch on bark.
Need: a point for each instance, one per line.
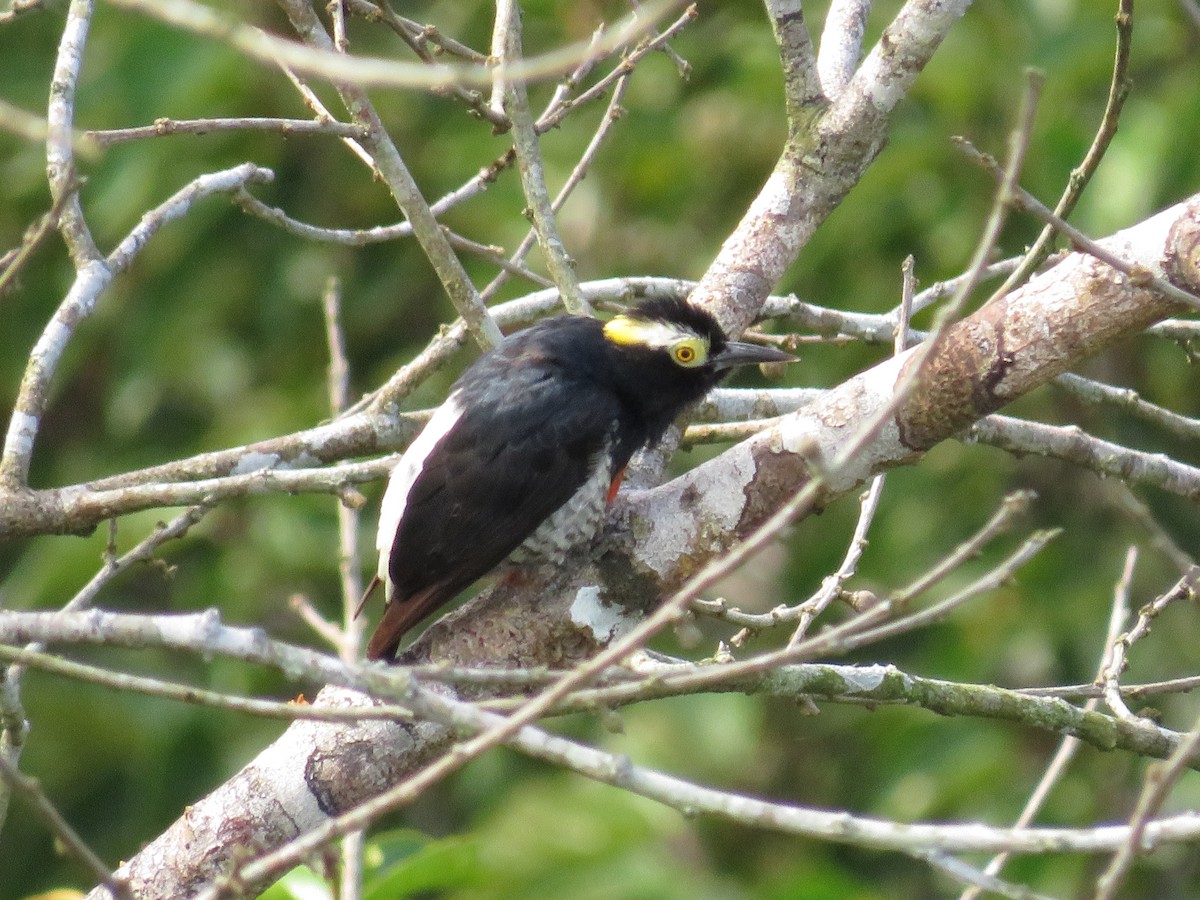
(278, 766)
(21, 429)
(864, 679)
(720, 500)
(255, 462)
(589, 611)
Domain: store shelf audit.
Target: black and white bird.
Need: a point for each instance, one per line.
(522, 459)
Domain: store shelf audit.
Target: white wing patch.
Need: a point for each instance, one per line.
(400, 483)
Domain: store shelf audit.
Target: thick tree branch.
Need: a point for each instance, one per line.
(827, 151)
(1001, 352)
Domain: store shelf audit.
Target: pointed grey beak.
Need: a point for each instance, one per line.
(739, 353)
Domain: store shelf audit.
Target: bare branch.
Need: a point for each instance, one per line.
(19, 7)
(31, 792)
(823, 158)
(60, 142)
(204, 634)
(1192, 9)
(506, 47)
(801, 85)
(1080, 176)
(841, 44)
(90, 283)
(1160, 778)
(367, 72)
(1131, 402)
(1070, 443)
(168, 127)
(400, 182)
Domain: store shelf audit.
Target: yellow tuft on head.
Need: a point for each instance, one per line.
(687, 349)
(626, 331)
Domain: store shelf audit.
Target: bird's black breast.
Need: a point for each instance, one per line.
(537, 419)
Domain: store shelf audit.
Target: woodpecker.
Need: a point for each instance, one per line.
(528, 450)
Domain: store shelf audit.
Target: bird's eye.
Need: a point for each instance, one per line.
(688, 353)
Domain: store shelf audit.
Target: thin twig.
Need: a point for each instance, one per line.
(1070, 744)
(977, 879)
(1118, 90)
(31, 792)
(416, 37)
(349, 564)
(14, 260)
(682, 66)
(1098, 392)
(1184, 589)
(369, 72)
(143, 552)
(350, 636)
(1022, 199)
(400, 182)
(1161, 540)
(337, 17)
(313, 102)
(166, 127)
(828, 643)
(328, 632)
(833, 585)
(724, 432)
(1160, 778)
(559, 108)
(287, 710)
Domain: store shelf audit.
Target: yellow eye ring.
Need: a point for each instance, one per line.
(689, 353)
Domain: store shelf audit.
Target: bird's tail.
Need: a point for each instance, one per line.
(399, 615)
(375, 582)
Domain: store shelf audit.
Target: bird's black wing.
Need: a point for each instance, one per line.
(529, 436)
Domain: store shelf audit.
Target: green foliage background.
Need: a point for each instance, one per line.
(215, 338)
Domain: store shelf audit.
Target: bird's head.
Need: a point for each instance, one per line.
(672, 353)
(673, 335)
